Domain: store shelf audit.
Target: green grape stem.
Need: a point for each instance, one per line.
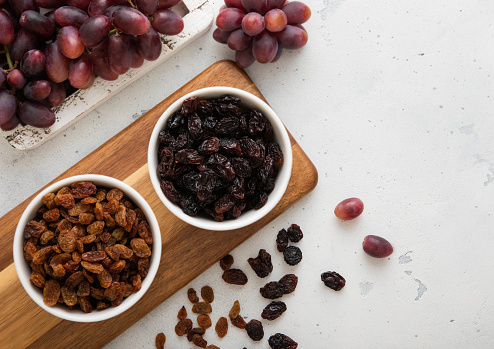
(7, 54)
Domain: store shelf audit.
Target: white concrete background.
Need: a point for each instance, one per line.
(393, 101)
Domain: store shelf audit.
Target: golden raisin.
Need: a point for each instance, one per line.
(192, 295)
(37, 279)
(204, 321)
(183, 327)
(202, 308)
(207, 294)
(160, 338)
(95, 268)
(182, 313)
(51, 292)
(221, 327)
(235, 311)
(140, 248)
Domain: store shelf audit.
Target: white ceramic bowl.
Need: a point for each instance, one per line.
(281, 137)
(61, 310)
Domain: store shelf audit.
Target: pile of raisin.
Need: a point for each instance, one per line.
(218, 158)
(87, 247)
(291, 254)
(184, 325)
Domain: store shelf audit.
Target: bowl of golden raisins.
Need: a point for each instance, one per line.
(87, 248)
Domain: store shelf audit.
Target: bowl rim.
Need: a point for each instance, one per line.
(281, 182)
(23, 270)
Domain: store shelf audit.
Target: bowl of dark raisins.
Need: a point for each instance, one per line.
(220, 158)
(87, 248)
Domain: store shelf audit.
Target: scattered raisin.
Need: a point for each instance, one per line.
(202, 308)
(182, 313)
(235, 310)
(192, 295)
(226, 262)
(292, 255)
(289, 282)
(261, 265)
(221, 327)
(183, 327)
(282, 240)
(294, 233)
(195, 331)
(234, 276)
(199, 341)
(272, 290)
(254, 330)
(281, 341)
(160, 340)
(333, 280)
(204, 321)
(238, 322)
(207, 294)
(273, 310)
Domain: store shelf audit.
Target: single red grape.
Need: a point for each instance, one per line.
(36, 114)
(11, 124)
(349, 209)
(57, 94)
(238, 40)
(23, 42)
(167, 22)
(80, 71)
(37, 90)
(230, 19)
(244, 58)
(253, 23)
(130, 21)
(149, 45)
(221, 36)
(70, 42)
(70, 16)
(57, 65)
(275, 20)
(94, 30)
(292, 37)
(36, 23)
(8, 106)
(7, 32)
(16, 79)
(376, 246)
(33, 62)
(296, 12)
(265, 47)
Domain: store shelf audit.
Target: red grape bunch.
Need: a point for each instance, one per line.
(259, 30)
(50, 48)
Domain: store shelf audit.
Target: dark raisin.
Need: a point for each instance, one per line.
(190, 105)
(289, 282)
(226, 262)
(230, 146)
(274, 151)
(194, 125)
(189, 157)
(254, 330)
(190, 205)
(241, 166)
(265, 170)
(333, 280)
(281, 341)
(295, 233)
(176, 120)
(273, 310)
(262, 264)
(272, 290)
(237, 189)
(235, 276)
(250, 147)
(261, 200)
(221, 166)
(282, 240)
(170, 192)
(292, 255)
(209, 146)
(224, 203)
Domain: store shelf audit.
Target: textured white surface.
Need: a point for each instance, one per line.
(393, 102)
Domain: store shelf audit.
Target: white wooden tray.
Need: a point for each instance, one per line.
(198, 16)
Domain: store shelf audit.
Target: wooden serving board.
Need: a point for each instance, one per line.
(187, 251)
